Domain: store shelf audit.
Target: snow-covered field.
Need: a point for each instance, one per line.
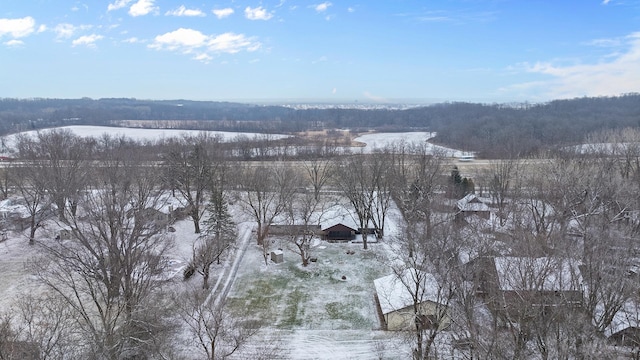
(372, 141)
(381, 140)
(145, 134)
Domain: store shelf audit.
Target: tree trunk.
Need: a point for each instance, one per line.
(196, 220)
(260, 235)
(60, 203)
(32, 231)
(205, 276)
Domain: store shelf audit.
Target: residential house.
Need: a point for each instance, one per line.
(471, 205)
(338, 232)
(397, 306)
(514, 285)
(624, 329)
(295, 229)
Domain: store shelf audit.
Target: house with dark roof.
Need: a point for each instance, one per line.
(471, 205)
(338, 232)
(515, 284)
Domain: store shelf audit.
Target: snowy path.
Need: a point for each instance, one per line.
(217, 294)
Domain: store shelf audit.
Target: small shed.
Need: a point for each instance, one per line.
(66, 233)
(338, 232)
(395, 301)
(277, 256)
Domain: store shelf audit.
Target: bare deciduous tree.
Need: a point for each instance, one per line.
(47, 323)
(60, 158)
(267, 191)
(108, 272)
(419, 183)
(303, 213)
(31, 187)
(319, 172)
(216, 334)
(190, 168)
(428, 277)
(502, 176)
(356, 183)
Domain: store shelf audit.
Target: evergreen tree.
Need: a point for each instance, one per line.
(218, 237)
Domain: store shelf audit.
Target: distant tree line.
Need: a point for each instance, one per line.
(491, 130)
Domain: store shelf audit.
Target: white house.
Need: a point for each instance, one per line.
(397, 305)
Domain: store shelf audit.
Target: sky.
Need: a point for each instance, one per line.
(342, 51)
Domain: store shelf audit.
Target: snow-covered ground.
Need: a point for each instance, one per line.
(310, 313)
(144, 134)
(372, 141)
(381, 140)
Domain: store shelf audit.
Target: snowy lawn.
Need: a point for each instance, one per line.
(289, 296)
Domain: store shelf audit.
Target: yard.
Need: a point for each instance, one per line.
(313, 313)
(336, 292)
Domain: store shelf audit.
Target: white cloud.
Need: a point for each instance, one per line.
(222, 13)
(320, 59)
(189, 41)
(612, 75)
(373, 97)
(42, 28)
(322, 7)
(258, 13)
(87, 40)
(181, 39)
(65, 30)
(17, 28)
(205, 58)
(605, 42)
(183, 11)
(132, 40)
(350, 9)
(605, 2)
(232, 43)
(14, 42)
(142, 8)
(119, 4)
